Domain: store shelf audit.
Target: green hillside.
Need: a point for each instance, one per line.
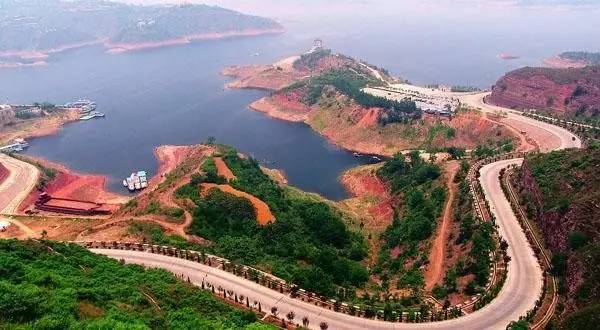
(47, 24)
(48, 285)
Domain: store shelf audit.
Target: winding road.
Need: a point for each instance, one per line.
(21, 180)
(518, 295)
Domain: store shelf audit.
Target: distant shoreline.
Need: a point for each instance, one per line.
(20, 58)
(117, 48)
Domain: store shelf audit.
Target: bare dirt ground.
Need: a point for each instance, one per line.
(169, 157)
(563, 63)
(435, 270)
(179, 162)
(371, 204)
(281, 107)
(263, 212)
(269, 77)
(73, 185)
(222, 169)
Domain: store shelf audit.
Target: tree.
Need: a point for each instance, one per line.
(324, 326)
(305, 322)
(290, 316)
(274, 311)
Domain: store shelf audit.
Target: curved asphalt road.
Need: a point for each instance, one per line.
(522, 287)
(21, 179)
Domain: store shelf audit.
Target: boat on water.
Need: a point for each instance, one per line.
(356, 154)
(93, 114)
(81, 103)
(506, 56)
(17, 145)
(136, 181)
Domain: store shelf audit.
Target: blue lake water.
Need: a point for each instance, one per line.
(176, 95)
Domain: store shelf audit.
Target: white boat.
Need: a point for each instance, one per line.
(136, 181)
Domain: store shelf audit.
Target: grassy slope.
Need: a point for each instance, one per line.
(55, 286)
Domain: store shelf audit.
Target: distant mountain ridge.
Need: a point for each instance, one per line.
(46, 25)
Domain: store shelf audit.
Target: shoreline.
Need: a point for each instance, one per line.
(69, 183)
(39, 127)
(558, 62)
(347, 124)
(118, 48)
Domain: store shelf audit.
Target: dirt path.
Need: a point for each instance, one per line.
(222, 169)
(435, 271)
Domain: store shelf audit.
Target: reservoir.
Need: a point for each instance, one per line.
(171, 96)
(176, 95)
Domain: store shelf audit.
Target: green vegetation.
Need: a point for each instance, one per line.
(462, 89)
(588, 57)
(472, 230)
(493, 148)
(349, 82)
(47, 285)
(152, 233)
(220, 214)
(121, 23)
(154, 207)
(308, 244)
(211, 174)
(475, 236)
(423, 199)
(311, 60)
(557, 170)
(567, 188)
(439, 129)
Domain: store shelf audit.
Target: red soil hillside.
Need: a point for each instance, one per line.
(222, 169)
(570, 90)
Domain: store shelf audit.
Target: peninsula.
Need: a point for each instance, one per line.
(361, 107)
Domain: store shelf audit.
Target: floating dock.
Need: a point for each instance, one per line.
(92, 115)
(17, 145)
(136, 181)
